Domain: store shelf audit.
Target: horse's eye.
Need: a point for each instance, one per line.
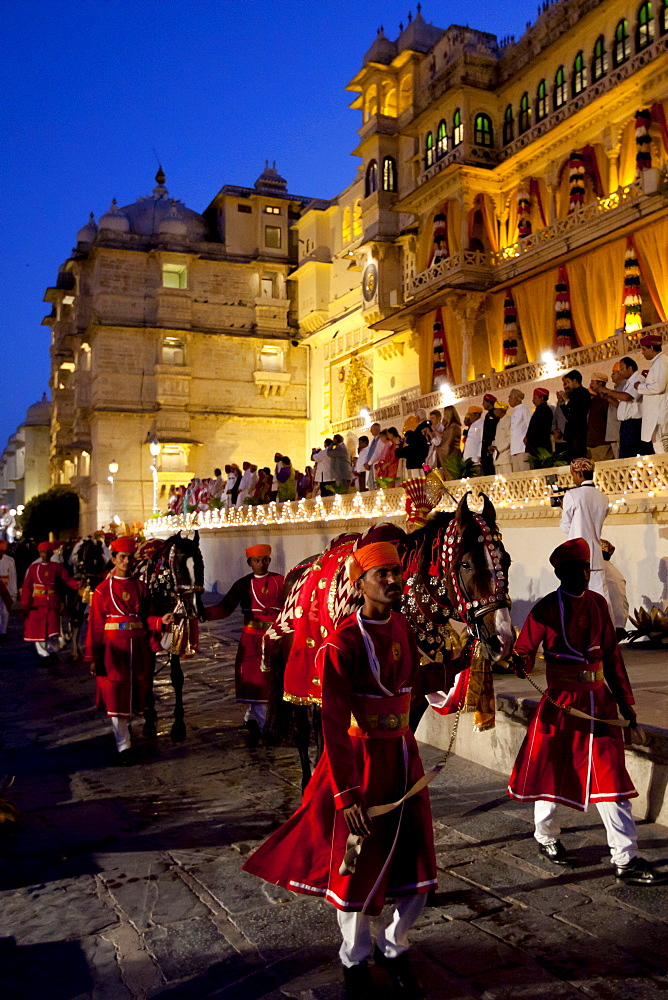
(466, 565)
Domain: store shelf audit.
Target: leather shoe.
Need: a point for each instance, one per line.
(358, 982)
(557, 854)
(639, 872)
(402, 973)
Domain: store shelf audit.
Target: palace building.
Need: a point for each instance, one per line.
(509, 215)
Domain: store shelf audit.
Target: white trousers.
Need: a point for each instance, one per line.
(620, 827)
(258, 712)
(658, 440)
(392, 941)
(4, 618)
(598, 584)
(121, 728)
(51, 645)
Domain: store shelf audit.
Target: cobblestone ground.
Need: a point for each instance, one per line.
(124, 883)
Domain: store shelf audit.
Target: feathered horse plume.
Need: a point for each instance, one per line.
(422, 495)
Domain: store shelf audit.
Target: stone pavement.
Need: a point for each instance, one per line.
(124, 883)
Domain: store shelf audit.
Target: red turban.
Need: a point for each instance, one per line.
(3, 545)
(582, 465)
(370, 556)
(542, 392)
(651, 340)
(574, 550)
(47, 546)
(489, 398)
(125, 544)
(257, 551)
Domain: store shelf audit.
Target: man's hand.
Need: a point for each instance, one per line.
(517, 664)
(628, 712)
(357, 819)
(168, 619)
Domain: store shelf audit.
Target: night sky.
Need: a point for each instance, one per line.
(216, 87)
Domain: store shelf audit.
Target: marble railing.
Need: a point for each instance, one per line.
(624, 481)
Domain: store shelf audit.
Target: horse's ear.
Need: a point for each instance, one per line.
(196, 538)
(463, 514)
(488, 510)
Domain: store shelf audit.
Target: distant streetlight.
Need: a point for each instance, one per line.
(113, 469)
(155, 448)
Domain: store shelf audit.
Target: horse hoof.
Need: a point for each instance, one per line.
(178, 732)
(149, 731)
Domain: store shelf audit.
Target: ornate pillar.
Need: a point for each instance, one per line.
(466, 306)
(552, 184)
(467, 199)
(612, 144)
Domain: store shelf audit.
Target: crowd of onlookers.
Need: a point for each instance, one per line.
(619, 415)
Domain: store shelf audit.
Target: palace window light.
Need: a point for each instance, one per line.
(441, 139)
(560, 92)
(457, 128)
(428, 150)
(508, 125)
(483, 131)
(174, 276)
(525, 113)
(599, 65)
(272, 237)
(272, 209)
(389, 174)
(173, 351)
(371, 180)
(579, 74)
(541, 101)
(622, 47)
(644, 26)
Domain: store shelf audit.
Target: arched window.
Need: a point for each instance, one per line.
(345, 226)
(483, 131)
(428, 150)
(389, 101)
(525, 113)
(371, 180)
(389, 174)
(559, 88)
(357, 219)
(441, 139)
(579, 74)
(457, 128)
(644, 26)
(541, 101)
(405, 92)
(371, 102)
(508, 125)
(622, 47)
(663, 18)
(599, 64)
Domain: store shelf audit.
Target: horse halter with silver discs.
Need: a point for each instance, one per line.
(472, 612)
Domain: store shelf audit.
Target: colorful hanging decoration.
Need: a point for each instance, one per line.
(576, 178)
(509, 330)
(643, 141)
(440, 249)
(565, 334)
(632, 296)
(523, 212)
(441, 363)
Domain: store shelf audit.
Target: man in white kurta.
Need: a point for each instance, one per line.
(520, 415)
(473, 445)
(8, 579)
(654, 391)
(584, 510)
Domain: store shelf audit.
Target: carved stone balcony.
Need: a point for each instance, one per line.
(464, 269)
(272, 383)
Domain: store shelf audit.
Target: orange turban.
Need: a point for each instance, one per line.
(257, 551)
(370, 556)
(574, 550)
(125, 544)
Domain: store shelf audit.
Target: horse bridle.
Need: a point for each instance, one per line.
(473, 612)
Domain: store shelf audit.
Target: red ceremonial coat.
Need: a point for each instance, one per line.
(370, 756)
(40, 596)
(117, 642)
(261, 599)
(566, 759)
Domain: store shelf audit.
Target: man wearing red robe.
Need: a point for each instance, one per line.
(260, 595)
(118, 644)
(370, 674)
(566, 759)
(41, 595)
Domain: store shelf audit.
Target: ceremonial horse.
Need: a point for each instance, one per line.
(173, 571)
(455, 570)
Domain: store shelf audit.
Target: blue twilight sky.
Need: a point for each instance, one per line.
(91, 87)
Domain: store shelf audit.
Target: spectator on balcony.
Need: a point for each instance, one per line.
(415, 450)
(287, 483)
(234, 492)
(322, 474)
(598, 448)
(437, 420)
(539, 431)
(488, 431)
(218, 486)
(388, 467)
(247, 483)
(341, 465)
(305, 483)
(628, 402)
(520, 415)
(473, 424)
(576, 410)
(653, 387)
(559, 420)
(372, 456)
(501, 446)
(360, 461)
(275, 480)
(229, 486)
(451, 435)
(612, 426)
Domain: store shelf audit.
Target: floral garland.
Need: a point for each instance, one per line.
(440, 248)
(576, 177)
(440, 361)
(523, 213)
(643, 141)
(632, 296)
(509, 330)
(565, 334)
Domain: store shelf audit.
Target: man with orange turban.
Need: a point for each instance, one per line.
(117, 644)
(371, 673)
(41, 595)
(260, 595)
(576, 760)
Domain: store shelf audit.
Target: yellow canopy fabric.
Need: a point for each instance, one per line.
(534, 300)
(494, 325)
(597, 287)
(453, 342)
(652, 247)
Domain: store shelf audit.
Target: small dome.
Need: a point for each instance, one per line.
(115, 220)
(382, 51)
(172, 224)
(270, 181)
(39, 414)
(88, 232)
(418, 36)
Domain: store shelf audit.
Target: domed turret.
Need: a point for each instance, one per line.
(418, 36)
(158, 214)
(115, 220)
(270, 181)
(382, 51)
(172, 224)
(88, 232)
